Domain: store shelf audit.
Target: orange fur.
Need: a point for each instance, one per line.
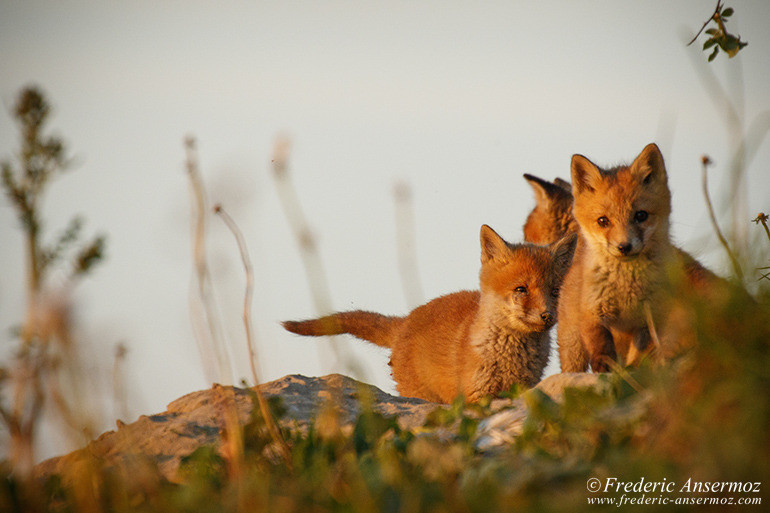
(473, 343)
(626, 271)
(551, 219)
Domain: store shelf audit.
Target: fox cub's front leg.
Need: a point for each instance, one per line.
(599, 345)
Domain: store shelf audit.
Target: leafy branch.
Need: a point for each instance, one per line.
(34, 373)
(41, 159)
(720, 37)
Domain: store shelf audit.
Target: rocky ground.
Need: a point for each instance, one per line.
(197, 419)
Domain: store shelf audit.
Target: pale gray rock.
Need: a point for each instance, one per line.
(197, 419)
(502, 428)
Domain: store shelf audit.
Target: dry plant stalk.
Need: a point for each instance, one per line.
(214, 339)
(706, 161)
(209, 332)
(314, 270)
(406, 242)
(272, 427)
(118, 382)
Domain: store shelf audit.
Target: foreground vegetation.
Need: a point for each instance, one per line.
(705, 417)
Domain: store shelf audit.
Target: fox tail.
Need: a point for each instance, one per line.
(376, 328)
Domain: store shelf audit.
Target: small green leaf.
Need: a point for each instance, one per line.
(712, 31)
(714, 54)
(90, 255)
(709, 43)
(728, 12)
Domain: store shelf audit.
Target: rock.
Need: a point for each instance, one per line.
(502, 428)
(162, 440)
(197, 419)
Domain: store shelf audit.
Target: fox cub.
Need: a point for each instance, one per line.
(625, 272)
(552, 218)
(473, 343)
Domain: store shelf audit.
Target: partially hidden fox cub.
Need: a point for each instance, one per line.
(552, 218)
(625, 270)
(473, 343)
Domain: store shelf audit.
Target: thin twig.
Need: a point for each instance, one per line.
(272, 427)
(249, 286)
(733, 259)
(711, 18)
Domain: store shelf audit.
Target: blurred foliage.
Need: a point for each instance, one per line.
(40, 159)
(719, 37)
(46, 339)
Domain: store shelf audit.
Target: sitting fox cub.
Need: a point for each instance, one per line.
(625, 270)
(473, 343)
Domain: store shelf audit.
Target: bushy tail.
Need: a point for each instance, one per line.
(376, 328)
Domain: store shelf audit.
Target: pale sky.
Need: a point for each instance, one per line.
(456, 99)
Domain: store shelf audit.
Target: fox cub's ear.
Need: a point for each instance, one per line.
(564, 184)
(648, 166)
(492, 245)
(585, 175)
(562, 251)
(547, 192)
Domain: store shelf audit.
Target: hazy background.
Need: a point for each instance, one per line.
(455, 99)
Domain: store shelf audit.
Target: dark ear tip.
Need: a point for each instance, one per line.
(652, 150)
(535, 181)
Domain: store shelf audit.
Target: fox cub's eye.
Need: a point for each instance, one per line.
(641, 216)
(603, 222)
(520, 290)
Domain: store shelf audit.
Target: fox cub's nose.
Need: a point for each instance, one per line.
(547, 317)
(624, 248)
